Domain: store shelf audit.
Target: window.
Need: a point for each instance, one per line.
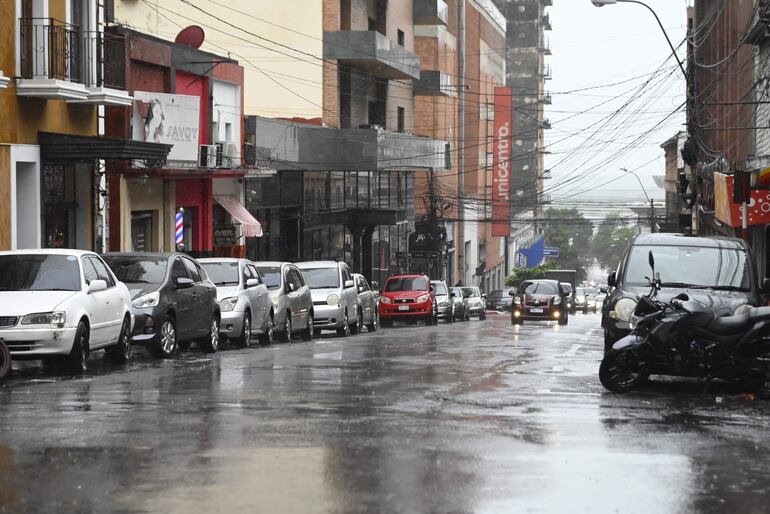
(89, 273)
(293, 278)
(346, 274)
(253, 273)
(372, 24)
(222, 273)
(363, 285)
(192, 269)
(400, 36)
(322, 278)
(178, 270)
(133, 269)
(101, 271)
(400, 115)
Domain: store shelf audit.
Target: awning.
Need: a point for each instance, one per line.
(249, 224)
(71, 148)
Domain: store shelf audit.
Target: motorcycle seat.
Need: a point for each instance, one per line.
(759, 313)
(729, 325)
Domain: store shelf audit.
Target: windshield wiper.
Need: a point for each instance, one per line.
(680, 284)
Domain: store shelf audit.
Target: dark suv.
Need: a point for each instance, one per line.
(717, 271)
(173, 300)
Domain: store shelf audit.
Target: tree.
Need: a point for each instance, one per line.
(571, 233)
(522, 274)
(610, 240)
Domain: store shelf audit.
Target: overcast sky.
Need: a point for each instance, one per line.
(598, 46)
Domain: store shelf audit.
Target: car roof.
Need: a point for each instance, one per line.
(531, 280)
(407, 275)
(164, 255)
(666, 239)
(317, 264)
(209, 260)
(47, 251)
(269, 264)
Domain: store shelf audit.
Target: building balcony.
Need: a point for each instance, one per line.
(546, 99)
(434, 83)
(546, 124)
(547, 22)
(59, 61)
(430, 12)
(547, 72)
(373, 52)
(545, 47)
(547, 3)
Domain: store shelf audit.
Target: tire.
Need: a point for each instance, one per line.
(372, 327)
(244, 339)
(167, 342)
(307, 334)
(121, 352)
(286, 334)
(358, 327)
(451, 317)
(77, 360)
(266, 337)
(608, 341)
(482, 316)
(210, 343)
(434, 316)
(620, 371)
(563, 320)
(344, 331)
(5, 360)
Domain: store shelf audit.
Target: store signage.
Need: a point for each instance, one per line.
(727, 211)
(169, 119)
(501, 163)
(224, 235)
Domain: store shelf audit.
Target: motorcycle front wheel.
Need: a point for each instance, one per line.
(622, 371)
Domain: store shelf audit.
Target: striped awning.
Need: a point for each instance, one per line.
(250, 225)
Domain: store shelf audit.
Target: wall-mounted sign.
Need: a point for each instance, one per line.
(224, 235)
(501, 163)
(169, 119)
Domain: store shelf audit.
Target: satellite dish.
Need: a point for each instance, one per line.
(191, 36)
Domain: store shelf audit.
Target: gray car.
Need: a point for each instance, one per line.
(335, 298)
(243, 300)
(444, 301)
(291, 299)
(367, 299)
(462, 310)
(477, 302)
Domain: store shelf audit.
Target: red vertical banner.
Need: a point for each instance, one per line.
(501, 163)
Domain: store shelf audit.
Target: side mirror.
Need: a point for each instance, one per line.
(292, 287)
(611, 279)
(252, 282)
(603, 290)
(484, 296)
(183, 283)
(452, 295)
(511, 292)
(97, 285)
(375, 286)
(348, 283)
(766, 285)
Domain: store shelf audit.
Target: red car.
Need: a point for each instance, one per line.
(408, 297)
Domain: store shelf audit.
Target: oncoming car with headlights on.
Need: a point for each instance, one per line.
(716, 271)
(539, 300)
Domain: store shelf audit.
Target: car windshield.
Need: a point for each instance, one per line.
(591, 290)
(271, 276)
(471, 292)
(39, 272)
(567, 288)
(538, 288)
(322, 278)
(439, 289)
(580, 291)
(406, 284)
(496, 294)
(136, 269)
(690, 266)
(222, 273)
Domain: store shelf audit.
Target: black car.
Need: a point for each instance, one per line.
(717, 271)
(499, 300)
(173, 301)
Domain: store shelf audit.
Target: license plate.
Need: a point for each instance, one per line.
(403, 307)
(536, 311)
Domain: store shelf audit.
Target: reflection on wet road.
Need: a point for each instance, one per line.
(470, 417)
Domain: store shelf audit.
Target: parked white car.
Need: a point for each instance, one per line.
(63, 304)
(335, 297)
(243, 300)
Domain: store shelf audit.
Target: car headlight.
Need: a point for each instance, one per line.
(624, 309)
(423, 298)
(147, 300)
(228, 304)
(384, 299)
(275, 300)
(45, 318)
(333, 299)
(557, 300)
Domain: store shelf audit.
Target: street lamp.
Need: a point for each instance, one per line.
(602, 3)
(652, 203)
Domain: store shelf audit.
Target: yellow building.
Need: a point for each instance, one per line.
(277, 43)
(52, 95)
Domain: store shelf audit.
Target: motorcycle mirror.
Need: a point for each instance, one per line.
(682, 296)
(651, 260)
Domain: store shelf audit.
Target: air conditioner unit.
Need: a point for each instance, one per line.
(231, 154)
(207, 156)
(220, 149)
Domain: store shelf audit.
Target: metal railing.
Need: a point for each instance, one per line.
(52, 49)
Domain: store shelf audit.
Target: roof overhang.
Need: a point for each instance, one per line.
(71, 148)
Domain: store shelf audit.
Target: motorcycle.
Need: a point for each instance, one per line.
(5, 360)
(684, 338)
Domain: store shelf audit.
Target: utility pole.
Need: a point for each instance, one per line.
(460, 245)
(652, 216)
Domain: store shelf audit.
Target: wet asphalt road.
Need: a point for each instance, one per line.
(470, 417)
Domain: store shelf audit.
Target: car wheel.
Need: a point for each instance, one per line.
(286, 334)
(372, 327)
(344, 330)
(210, 343)
(563, 320)
(5, 360)
(307, 334)
(121, 352)
(358, 327)
(167, 339)
(77, 360)
(266, 337)
(483, 315)
(244, 340)
(434, 317)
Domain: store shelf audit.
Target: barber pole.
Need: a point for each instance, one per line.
(180, 227)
